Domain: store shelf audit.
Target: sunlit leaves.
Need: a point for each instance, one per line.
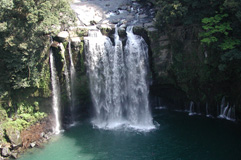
(216, 29)
(23, 24)
(6, 4)
(229, 43)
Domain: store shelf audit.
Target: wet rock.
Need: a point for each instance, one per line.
(92, 22)
(32, 145)
(14, 136)
(75, 41)
(1, 135)
(3, 115)
(6, 152)
(123, 26)
(152, 29)
(42, 134)
(46, 136)
(149, 25)
(124, 7)
(130, 17)
(115, 21)
(55, 44)
(14, 155)
(63, 36)
(143, 16)
(104, 26)
(122, 32)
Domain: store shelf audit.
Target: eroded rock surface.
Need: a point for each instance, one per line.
(105, 13)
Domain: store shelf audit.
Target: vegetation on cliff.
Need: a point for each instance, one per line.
(24, 26)
(205, 46)
(25, 30)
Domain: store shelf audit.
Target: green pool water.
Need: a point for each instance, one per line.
(178, 137)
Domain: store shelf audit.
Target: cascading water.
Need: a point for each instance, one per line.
(118, 80)
(72, 80)
(136, 59)
(56, 94)
(191, 109)
(227, 111)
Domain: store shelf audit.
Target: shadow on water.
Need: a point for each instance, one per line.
(179, 137)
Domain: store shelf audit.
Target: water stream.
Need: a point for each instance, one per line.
(118, 80)
(56, 94)
(72, 80)
(226, 111)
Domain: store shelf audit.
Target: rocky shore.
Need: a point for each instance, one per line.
(18, 141)
(105, 14)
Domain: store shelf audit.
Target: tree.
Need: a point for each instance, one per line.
(24, 26)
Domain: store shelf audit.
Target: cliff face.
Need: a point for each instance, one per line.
(184, 70)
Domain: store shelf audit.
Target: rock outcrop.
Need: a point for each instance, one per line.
(14, 136)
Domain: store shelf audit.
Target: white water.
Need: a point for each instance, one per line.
(227, 111)
(56, 94)
(72, 80)
(118, 81)
(191, 109)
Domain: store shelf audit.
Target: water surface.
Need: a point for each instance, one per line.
(179, 137)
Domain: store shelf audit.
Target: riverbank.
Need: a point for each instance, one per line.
(14, 142)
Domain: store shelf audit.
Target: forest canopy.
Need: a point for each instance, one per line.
(25, 30)
(215, 25)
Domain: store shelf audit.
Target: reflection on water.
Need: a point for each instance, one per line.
(178, 136)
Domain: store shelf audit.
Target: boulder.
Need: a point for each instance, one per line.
(152, 29)
(75, 41)
(63, 36)
(55, 44)
(14, 136)
(42, 134)
(115, 21)
(1, 135)
(14, 155)
(149, 25)
(143, 16)
(122, 32)
(6, 152)
(33, 144)
(3, 115)
(104, 26)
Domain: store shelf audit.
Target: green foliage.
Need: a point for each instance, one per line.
(19, 124)
(170, 12)
(187, 12)
(207, 60)
(40, 115)
(215, 28)
(23, 121)
(229, 43)
(25, 26)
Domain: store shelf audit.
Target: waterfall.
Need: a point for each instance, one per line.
(56, 94)
(191, 109)
(66, 73)
(222, 106)
(72, 80)
(118, 80)
(227, 112)
(136, 59)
